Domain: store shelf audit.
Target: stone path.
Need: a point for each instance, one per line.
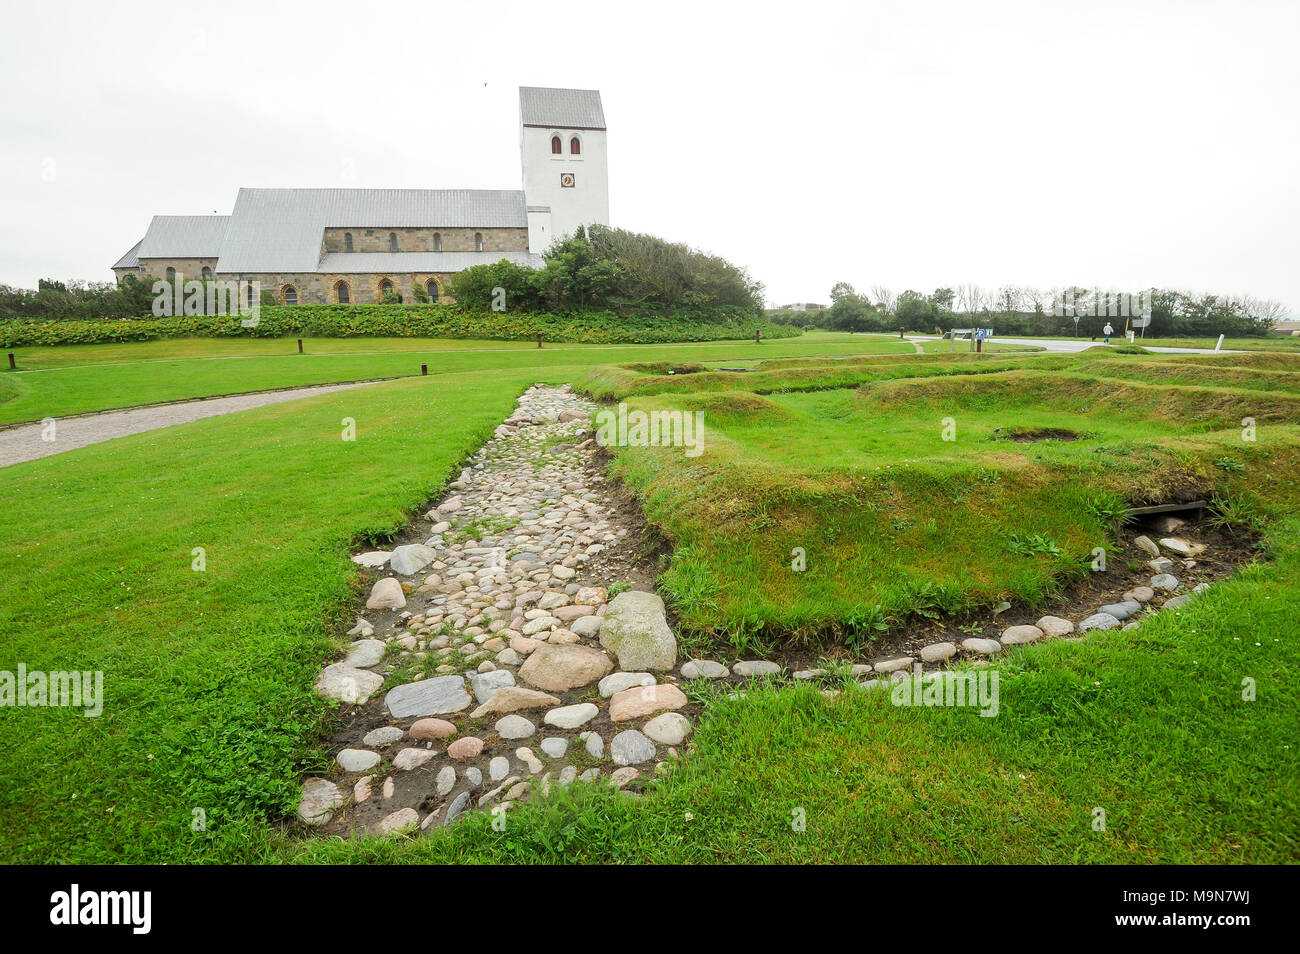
(493, 661)
(27, 441)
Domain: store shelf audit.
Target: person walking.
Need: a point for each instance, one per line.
(1108, 331)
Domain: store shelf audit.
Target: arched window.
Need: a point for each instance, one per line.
(171, 274)
(207, 274)
(432, 288)
(478, 241)
(289, 294)
(342, 293)
(248, 293)
(347, 241)
(385, 288)
(437, 241)
(556, 147)
(575, 146)
(392, 241)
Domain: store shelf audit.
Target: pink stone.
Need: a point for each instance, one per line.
(465, 748)
(428, 729)
(644, 700)
(567, 614)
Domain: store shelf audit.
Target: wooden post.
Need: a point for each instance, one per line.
(424, 370)
(12, 365)
(539, 339)
(300, 346)
(758, 336)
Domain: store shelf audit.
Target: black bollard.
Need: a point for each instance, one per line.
(300, 346)
(12, 364)
(424, 370)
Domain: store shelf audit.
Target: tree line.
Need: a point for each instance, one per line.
(1014, 310)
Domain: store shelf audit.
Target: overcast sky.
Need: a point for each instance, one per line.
(910, 144)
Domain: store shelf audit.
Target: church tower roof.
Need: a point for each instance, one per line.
(561, 108)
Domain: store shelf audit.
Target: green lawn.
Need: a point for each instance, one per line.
(208, 675)
(54, 382)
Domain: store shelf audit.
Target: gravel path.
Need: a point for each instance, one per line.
(18, 444)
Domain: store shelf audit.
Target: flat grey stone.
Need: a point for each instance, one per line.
(755, 667)
(357, 760)
(555, 746)
(320, 799)
(446, 779)
(514, 727)
(365, 653)
(571, 717)
(703, 669)
(669, 728)
(440, 695)
(1098, 621)
(594, 744)
(455, 808)
(347, 684)
(1174, 602)
(486, 684)
(976, 644)
(498, 768)
(411, 558)
(1164, 581)
(1121, 611)
(630, 747)
(385, 735)
(937, 652)
(586, 626)
(618, 681)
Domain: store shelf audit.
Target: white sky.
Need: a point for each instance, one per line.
(909, 144)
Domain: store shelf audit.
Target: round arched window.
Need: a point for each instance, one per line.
(290, 295)
(432, 288)
(556, 146)
(575, 146)
(342, 294)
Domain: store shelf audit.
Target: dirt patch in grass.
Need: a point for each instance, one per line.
(1040, 434)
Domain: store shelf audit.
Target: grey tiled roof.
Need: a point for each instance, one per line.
(561, 108)
(280, 230)
(184, 236)
(130, 259)
(379, 263)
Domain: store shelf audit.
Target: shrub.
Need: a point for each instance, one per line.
(408, 321)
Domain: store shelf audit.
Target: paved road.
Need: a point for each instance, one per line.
(25, 442)
(1074, 345)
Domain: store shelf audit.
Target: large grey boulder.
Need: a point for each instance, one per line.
(411, 558)
(437, 696)
(635, 630)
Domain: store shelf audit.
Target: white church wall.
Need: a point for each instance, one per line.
(586, 201)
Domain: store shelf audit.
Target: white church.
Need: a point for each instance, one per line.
(367, 245)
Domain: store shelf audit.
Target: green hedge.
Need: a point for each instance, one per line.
(405, 321)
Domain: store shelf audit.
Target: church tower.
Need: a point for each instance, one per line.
(562, 142)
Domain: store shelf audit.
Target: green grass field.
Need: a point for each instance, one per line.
(208, 675)
(54, 382)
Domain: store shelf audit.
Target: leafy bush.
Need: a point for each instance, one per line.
(613, 269)
(407, 321)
